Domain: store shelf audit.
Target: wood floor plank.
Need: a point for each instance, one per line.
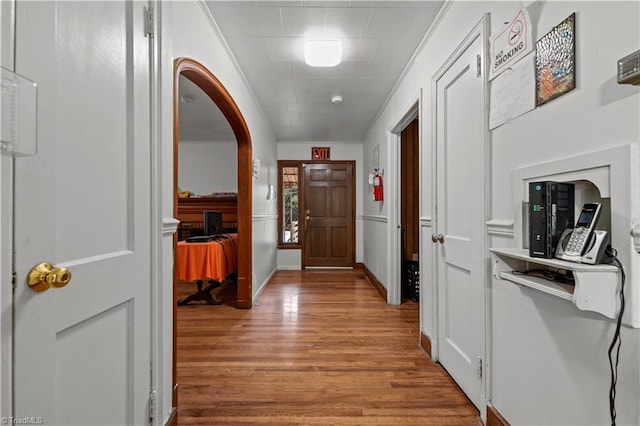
(318, 348)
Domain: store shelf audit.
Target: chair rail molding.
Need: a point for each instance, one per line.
(264, 217)
(426, 221)
(169, 226)
(500, 228)
(374, 218)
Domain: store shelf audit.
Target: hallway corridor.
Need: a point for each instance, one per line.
(318, 348)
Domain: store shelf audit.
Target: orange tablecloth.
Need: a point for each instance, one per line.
(211, 260)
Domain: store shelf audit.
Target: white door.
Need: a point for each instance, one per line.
(460, 219)
(82, 352)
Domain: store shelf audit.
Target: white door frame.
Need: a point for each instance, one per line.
(394, 263)
(481, 30)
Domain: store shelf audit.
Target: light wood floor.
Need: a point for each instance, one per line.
(319, 348)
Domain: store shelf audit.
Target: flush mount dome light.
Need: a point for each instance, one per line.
(323, 53)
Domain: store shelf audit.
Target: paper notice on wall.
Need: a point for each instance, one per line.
(513, 93)
(511, 44)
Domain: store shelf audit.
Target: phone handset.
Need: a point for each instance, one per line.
(580, 239)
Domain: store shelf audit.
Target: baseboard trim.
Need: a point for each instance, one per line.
(173, 418)
(358, 266)
(494, 418)
(373, 280)
(425, 343)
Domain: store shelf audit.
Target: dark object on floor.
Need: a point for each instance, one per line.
(203, 294)
(411, 284)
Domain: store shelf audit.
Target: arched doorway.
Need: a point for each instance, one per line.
(208, 83)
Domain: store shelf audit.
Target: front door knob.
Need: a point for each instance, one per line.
(44, 276)
(437, 238)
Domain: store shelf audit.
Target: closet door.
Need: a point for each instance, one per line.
(460, 220)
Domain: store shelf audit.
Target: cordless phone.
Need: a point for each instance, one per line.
(582, 232)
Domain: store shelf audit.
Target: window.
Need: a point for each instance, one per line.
(288, 196)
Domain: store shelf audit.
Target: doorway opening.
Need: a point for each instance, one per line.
(209, 84)
(410, 212)
(199, 75)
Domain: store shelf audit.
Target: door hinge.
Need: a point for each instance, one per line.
(479, 371)
(148, 21)
(478, 65)
(153, 404)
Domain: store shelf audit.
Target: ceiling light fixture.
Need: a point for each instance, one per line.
(336, 99)
(323, 53)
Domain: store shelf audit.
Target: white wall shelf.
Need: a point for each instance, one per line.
(596, 288)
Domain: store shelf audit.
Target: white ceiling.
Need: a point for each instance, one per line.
(267, 38)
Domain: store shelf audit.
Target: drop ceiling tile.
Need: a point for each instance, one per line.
(316, 108)
(275, 106)
(309, 97)
(396, 3)
(303, 71)
(248, 21)
(249, 49)
(276, 3)
(347, 22)
(369, 69)
(283, 116)
(274, 94)
(301, 22)
(389, 22)
(395, 49)
(286, 48)
(360, 49)
(365, 98)
(368, 85)
(316, 84)
(327, 3)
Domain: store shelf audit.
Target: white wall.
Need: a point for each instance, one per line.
(186, 30)
(207, 167)
(548, 361)
(351, 151)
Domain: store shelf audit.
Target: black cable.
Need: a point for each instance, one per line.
(548, 274)
(617, 339)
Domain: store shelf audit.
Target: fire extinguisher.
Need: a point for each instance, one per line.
(378, 194)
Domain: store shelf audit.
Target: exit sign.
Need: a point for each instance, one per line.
(320, 153)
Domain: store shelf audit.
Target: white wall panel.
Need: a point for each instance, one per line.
(374, 229)
(207, 167)
(265, 230)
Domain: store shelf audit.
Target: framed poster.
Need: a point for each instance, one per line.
(556, 62)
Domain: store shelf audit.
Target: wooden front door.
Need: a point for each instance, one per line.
(328, 214)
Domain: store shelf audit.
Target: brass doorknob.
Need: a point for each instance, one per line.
(44, 276)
